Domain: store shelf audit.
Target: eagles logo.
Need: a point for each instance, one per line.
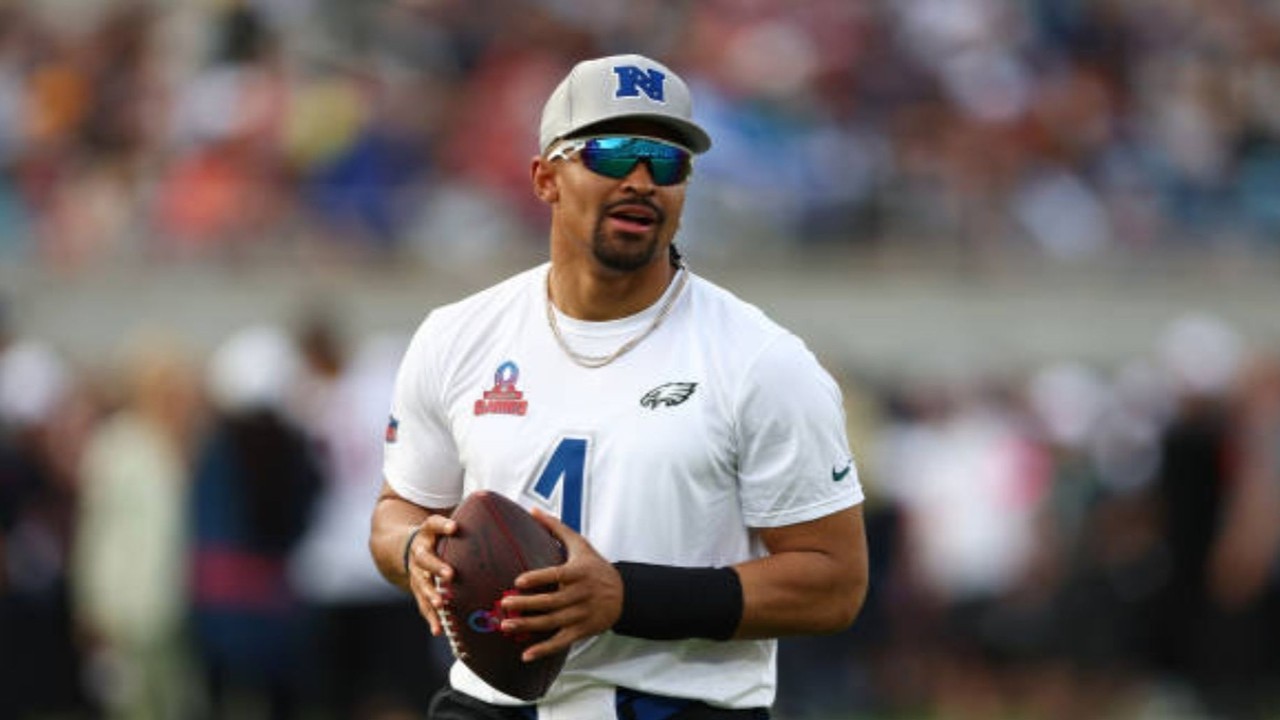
(669, 394)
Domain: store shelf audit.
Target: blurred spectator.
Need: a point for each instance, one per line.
(1202, 355)
(970, 484)
(373, 656)
(221, 193)
(1243, 564)
(1246, 556)
(42, 422)
(359, 187)
(255, 481)
(129, 557)
(1098, 552)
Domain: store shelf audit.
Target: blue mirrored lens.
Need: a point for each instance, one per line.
(616, 157)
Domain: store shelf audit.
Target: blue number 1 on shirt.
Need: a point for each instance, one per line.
(569, 461)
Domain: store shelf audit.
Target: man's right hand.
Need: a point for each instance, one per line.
(425, 566)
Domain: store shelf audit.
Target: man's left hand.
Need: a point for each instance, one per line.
(586, 601)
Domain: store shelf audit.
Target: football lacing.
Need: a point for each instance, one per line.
(446, 621)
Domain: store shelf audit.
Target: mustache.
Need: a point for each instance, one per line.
(659, 215)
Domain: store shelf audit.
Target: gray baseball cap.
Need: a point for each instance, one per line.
(621, 86)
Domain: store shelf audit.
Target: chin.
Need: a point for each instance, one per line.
(625, 252)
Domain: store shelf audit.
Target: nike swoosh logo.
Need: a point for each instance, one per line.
(838, 475)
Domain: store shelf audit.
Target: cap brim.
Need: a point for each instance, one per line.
(683, 132)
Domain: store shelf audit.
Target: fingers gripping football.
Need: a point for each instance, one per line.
(587, 599)
(425, 566)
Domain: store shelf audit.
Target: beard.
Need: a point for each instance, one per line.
(625, 254)
(625, 251)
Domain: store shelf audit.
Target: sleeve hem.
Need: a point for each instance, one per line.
(417, 497)
(795, 516)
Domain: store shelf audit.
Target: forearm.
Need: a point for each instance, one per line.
(813, 581)
(394, 520)
(790, 593)
(798, 593)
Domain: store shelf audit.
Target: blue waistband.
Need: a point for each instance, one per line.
(633, 705)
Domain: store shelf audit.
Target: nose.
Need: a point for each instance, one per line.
(640, 179)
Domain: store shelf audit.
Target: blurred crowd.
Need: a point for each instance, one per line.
(184, 538)
(188, 539)
(137, 130)
(1066, 542)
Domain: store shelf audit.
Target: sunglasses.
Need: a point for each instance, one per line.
(616, 156)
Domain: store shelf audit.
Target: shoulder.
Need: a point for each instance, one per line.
(493, 300)
(765, 353)
(457, 324)
(718, 310)
(757, 341)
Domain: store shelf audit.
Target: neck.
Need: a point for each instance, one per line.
(586, 291)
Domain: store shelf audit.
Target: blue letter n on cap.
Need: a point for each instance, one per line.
(632, 80)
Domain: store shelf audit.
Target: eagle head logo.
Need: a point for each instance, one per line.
(669, 394)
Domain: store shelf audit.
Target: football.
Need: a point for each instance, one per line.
(496, 540)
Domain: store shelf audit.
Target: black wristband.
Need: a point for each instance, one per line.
(661, 602)
(408, 545)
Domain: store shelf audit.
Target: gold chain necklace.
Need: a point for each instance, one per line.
(596, 361)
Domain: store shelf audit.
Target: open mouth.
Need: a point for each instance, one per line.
(635, 218)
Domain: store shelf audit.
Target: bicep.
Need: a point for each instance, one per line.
(839, 537)
(813, 580)
(391, 502)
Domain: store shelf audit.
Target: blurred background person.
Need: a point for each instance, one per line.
(130, 551)
(45, 415)
(370, 655)
(1243, 565)
(971, 483)
(256, 479)
(1201, 357)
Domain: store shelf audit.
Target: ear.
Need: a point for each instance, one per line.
(545, 183)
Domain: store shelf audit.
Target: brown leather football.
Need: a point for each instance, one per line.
(496, 541)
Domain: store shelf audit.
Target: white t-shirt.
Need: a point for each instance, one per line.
(718, 422)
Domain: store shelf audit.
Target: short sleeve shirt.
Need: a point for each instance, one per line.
(717, 423)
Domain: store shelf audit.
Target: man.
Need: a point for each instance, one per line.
(688, 452)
